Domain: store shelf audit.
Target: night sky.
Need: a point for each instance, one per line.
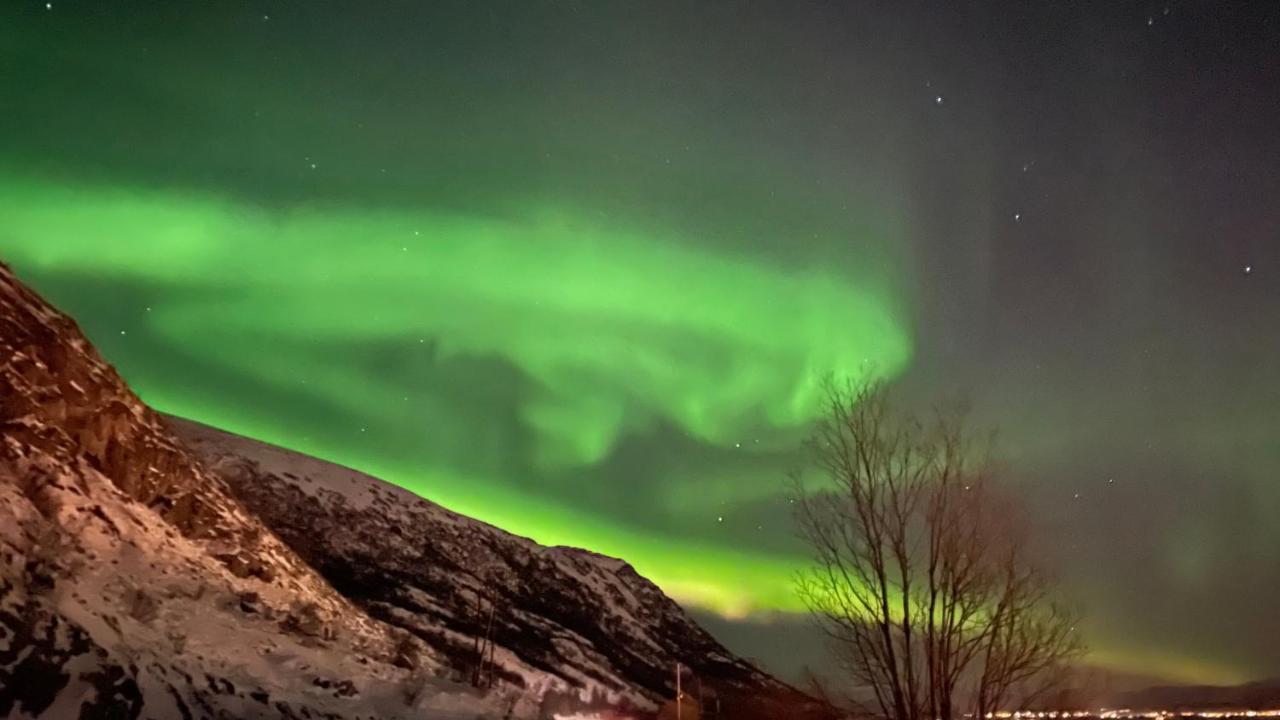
(576, 268)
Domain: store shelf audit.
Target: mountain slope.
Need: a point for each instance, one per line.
(151, 567)
(588, 620)
(1264, 695)
(132, 583)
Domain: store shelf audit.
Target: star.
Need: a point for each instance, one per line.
(48, 6)
(1248, 269)
(719, 518)
(1017, 217)
(937, 100)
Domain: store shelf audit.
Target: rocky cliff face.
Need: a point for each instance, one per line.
(151, 567)
(133, 584)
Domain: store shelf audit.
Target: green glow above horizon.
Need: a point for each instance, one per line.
(612, 332)
(574, 267)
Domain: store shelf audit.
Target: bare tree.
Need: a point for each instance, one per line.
(921, 577)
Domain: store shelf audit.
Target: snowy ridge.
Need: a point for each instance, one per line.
(588, 622)
(155, 568)
(132, 584)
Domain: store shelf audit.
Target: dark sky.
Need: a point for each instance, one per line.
(575, 267)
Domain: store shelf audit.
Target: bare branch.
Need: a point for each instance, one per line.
(920, 578)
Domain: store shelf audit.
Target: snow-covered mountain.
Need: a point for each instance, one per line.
(582, 619)
(154, 567)
(133, 583)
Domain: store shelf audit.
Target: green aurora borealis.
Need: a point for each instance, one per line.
(575, 268)
(613, 332)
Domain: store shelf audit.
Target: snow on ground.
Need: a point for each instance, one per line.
(570, 621)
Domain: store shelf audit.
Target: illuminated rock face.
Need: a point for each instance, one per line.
(141, 578)
(122, 559)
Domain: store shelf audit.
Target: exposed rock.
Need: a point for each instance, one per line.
(141, 606)
(250, 602)
(305, 619)
(118, 548)
(408, 653)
